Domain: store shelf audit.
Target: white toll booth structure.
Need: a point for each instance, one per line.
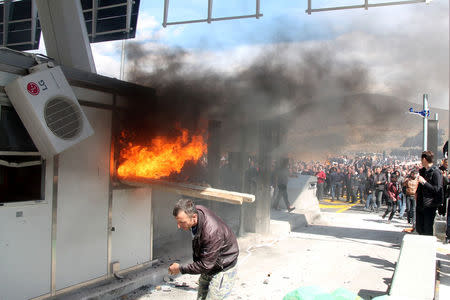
(62, 222)
(65, 219)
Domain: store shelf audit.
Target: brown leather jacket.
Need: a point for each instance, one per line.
(411, 186)
(214, 246)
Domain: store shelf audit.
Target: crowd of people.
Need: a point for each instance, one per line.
(375, 180)
(394, 183)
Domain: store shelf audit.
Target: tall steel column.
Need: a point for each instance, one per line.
(425, 122)
(65, 33)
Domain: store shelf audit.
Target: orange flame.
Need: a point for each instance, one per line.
(162, 157)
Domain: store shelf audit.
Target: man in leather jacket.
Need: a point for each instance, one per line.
(215, 250)
(429, 194)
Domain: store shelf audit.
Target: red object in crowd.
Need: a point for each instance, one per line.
(321, 176)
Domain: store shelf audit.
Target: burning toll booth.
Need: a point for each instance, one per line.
(74, 214)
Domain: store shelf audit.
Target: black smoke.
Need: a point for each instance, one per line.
(320, 96)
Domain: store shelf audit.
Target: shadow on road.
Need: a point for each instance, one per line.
(369, 294)
(377, 262)
(392, 237)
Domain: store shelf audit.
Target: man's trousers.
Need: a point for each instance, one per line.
(216, 287)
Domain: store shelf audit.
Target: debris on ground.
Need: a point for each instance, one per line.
(166, 288)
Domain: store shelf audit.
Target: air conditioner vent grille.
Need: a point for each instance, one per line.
(63, 118)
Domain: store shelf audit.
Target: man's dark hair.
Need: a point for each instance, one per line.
(185, 204)
(428, 155)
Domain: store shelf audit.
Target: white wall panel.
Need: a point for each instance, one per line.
(81, 240)
(25, 247)
(93, 96)
(167, 238)
(131, 213)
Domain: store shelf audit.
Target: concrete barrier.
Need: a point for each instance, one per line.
(415, 272)
(301, 194)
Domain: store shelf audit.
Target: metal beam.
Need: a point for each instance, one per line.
(94, 19)
(34, 14)
(166, 12)
(105, 7)
(258, 8)
(366, 5)
(20, 165)
(6, 10)
(210, 5)
(129, 9)
(16, 153)
(215, 19)
(209, 17)
(65, 33)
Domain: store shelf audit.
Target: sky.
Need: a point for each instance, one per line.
(405, 48)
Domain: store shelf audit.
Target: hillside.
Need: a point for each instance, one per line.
(363, 122)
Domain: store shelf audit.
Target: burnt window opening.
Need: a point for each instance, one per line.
(13, 135)
(22, 178)
(22, 170)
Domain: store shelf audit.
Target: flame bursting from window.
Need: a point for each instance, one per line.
(162, 157)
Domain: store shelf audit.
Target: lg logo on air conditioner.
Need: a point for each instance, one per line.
(33, 88)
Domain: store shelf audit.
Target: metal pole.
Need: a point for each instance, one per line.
(258, 8)
(122, 61)
(210, 5)
(425, 122)
(166, 12)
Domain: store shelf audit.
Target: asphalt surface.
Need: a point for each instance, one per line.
(353, 249)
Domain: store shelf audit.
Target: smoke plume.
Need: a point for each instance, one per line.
(322, 98)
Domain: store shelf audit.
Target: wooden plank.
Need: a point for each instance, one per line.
(191, 190)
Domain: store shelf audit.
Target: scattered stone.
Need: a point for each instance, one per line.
(266, 281)
(166, 288)
(285, 277)
(184, 284)
(166, 279)
(243, 284)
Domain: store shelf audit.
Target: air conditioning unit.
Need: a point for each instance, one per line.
(49, 110)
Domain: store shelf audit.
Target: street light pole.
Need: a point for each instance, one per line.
(425, 122)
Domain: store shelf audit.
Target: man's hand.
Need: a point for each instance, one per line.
(174, 269)
(422, 180)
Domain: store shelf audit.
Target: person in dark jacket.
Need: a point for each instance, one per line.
(353, 185)
(429, 194)
(362, 178)
(334, 184)
(445, 208)
(215, 250)
(282, 178)
(379, 180)
(370, 190)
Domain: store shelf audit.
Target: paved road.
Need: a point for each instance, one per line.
(354, 249)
